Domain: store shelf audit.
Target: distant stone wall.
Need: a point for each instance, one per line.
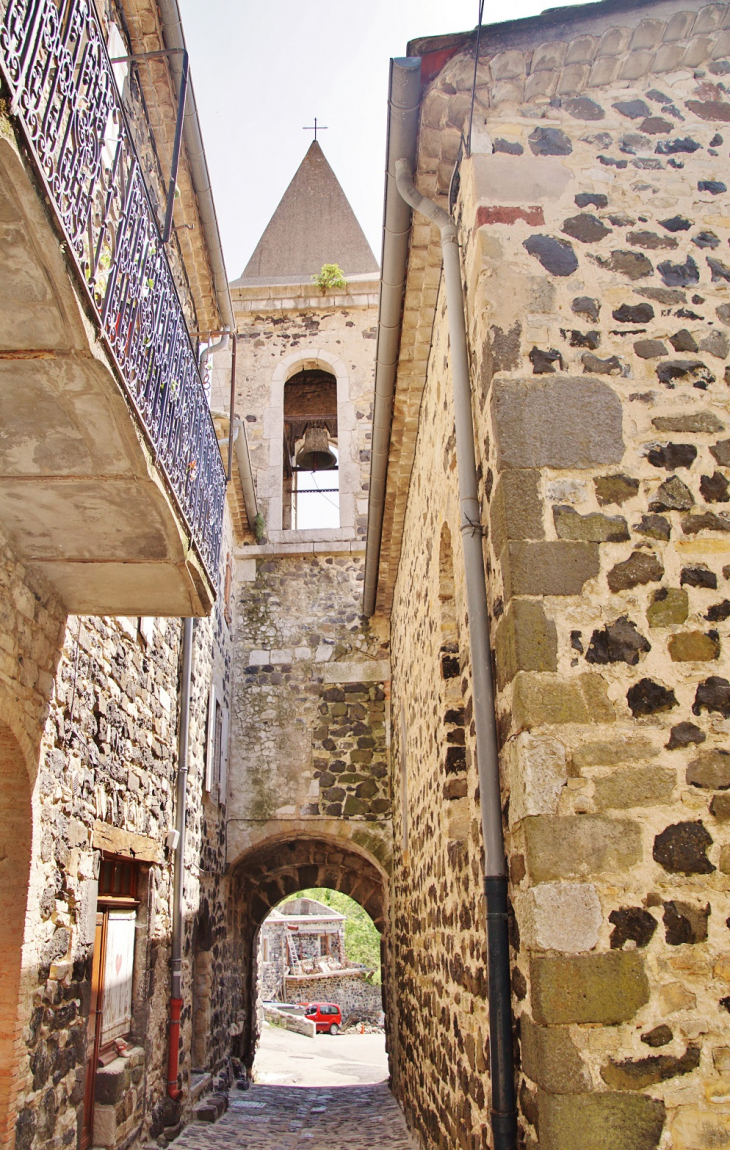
(351, 992)
(598, 309)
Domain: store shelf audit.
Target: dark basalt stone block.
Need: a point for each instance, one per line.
(679, 275)
(719, 612)
(721, 452)
(710, 109)
(595, 366)
(654, 527)
(683, 341)
(707, 521)
(556, 256)
(615, 488)
(641, 567)
(632, 109)
(619, 642)
(682, 848)
(589, 339)
(509, 147)
(698, 576)
(714, 187)
(650, 348)
(591, 199)
(549, 142)
(684, 735)
(584, 305)
(659, 1036)
(656, 125)
(634, 313)
(634, 1075)
(650, 240)
(670, 456)
(672, 495)
(720, 271)
(543, 361)
(585, 227)
(706, 240)
(630, 264)
(684, 923)
(610, 162)
(676, 224)
(631, 923)
(714, 488)
(649, 698)
(713, 695)
(581, 108)
(692, 370)
(671, 147)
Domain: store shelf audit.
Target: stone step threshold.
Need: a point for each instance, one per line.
(212, 1107)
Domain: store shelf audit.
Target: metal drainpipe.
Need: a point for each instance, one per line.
(177, 886)
(504, 1114)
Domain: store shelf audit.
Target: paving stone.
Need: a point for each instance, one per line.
(289, 1118)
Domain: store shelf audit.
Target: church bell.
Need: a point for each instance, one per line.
(315, 453)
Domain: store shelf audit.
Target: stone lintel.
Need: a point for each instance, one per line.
(119, 842)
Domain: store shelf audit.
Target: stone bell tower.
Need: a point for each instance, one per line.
(309, 794)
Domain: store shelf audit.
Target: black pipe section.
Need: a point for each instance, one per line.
(504, 1107)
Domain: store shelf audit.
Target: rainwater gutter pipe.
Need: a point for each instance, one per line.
(400, 194)
(173, 37)
(404, 102)
(176, 1000)
(504, 1113)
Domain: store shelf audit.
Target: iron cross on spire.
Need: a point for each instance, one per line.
(317, 128)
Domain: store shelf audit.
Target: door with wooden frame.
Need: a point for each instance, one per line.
(110, 1011)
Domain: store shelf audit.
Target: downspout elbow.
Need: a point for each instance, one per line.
(206, 353)
(420, 203)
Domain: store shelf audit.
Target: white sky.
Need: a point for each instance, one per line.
(263, 70)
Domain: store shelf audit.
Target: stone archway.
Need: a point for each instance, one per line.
(15, 856)
(282, 866)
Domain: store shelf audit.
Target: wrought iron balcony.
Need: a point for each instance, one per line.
(64, 97)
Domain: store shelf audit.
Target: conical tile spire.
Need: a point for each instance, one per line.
(313, 225)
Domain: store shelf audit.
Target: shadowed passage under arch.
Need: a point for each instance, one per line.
(281, 867)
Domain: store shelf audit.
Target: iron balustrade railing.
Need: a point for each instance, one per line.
(55, 63)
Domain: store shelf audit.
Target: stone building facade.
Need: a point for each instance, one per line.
(592, 217)
(101, 556)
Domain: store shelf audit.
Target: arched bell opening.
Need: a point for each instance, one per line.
(311, 487)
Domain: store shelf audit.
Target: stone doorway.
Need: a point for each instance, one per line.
(278, 869)
(15, 851)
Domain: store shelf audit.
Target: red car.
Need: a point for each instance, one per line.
(325, 1015)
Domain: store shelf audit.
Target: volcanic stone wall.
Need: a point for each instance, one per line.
(107, 781)
(309, 731)
(595, 239)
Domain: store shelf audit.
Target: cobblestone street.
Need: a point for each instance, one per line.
(300, 1118)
